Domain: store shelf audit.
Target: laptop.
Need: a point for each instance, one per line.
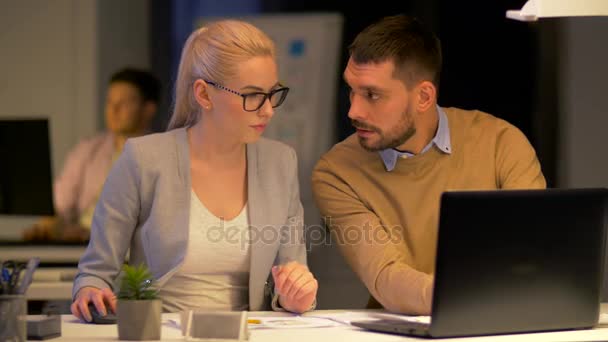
(514, 261)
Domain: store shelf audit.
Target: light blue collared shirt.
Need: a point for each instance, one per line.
(441, 140)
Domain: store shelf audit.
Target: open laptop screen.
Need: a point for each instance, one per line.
(25, 168)
(519, 260)
(514, 261)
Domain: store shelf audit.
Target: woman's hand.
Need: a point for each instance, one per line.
(102, 299)
(297, 287)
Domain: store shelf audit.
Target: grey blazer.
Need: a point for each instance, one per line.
(145, 204)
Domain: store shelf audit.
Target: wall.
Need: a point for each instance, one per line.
(583, 118)
(55, 59)
(122, 40)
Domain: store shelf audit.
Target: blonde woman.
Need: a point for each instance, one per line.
(209, 206)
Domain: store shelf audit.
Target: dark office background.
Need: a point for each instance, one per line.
(491, 63)
(545, 77)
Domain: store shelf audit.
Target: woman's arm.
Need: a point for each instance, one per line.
(296, 287)
(114, 221)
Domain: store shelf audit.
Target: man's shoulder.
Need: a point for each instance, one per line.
(95, 139)
(88, 145)
(350, 145)
(348, 152)
(476, 122)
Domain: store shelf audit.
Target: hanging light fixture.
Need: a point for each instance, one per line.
(536, 9)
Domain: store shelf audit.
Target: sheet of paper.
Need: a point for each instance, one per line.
(295, 322)
(270, 322)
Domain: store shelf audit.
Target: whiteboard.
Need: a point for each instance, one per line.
(308, 50)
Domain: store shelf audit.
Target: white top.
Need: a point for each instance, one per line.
(215, 272)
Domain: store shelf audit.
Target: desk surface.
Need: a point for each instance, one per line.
(73, 329)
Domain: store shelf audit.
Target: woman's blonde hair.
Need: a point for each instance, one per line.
(213, 53)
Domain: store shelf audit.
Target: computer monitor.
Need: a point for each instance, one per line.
(26, 186)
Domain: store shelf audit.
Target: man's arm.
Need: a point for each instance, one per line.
(381, 263)
(517, 166)
(66, 189)
(67, 186)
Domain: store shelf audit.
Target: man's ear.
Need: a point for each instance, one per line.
(199, 89)
(427, 96)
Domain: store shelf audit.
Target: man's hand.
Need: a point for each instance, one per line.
(296, 286)
(74, 233)
(51, 228)
(43, 230)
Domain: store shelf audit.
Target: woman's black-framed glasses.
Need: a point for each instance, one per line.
(254, 101)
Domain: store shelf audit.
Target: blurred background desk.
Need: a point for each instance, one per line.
(49, 253)
(51, 288)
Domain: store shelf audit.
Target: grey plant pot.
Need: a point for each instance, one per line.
(139, 319)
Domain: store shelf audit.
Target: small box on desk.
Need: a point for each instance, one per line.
(201, 325)
(43, 327)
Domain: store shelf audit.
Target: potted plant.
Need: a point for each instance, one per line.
(138, 306)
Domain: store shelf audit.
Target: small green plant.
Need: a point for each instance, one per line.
(137, 283)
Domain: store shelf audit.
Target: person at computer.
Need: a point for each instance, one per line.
(379, 189)
(131, 103)
(209, 206)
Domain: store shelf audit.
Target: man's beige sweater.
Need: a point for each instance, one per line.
(385, 223)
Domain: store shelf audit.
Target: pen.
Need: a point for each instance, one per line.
(29, 274)
(11, 271)
(4, 279)
(15, 275)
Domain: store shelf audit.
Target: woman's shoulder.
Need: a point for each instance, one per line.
(152, 146)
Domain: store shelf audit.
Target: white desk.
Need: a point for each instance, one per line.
(73, 330)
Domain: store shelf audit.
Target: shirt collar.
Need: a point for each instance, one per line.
(441, 140)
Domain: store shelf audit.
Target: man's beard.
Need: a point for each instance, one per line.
(397, 136)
